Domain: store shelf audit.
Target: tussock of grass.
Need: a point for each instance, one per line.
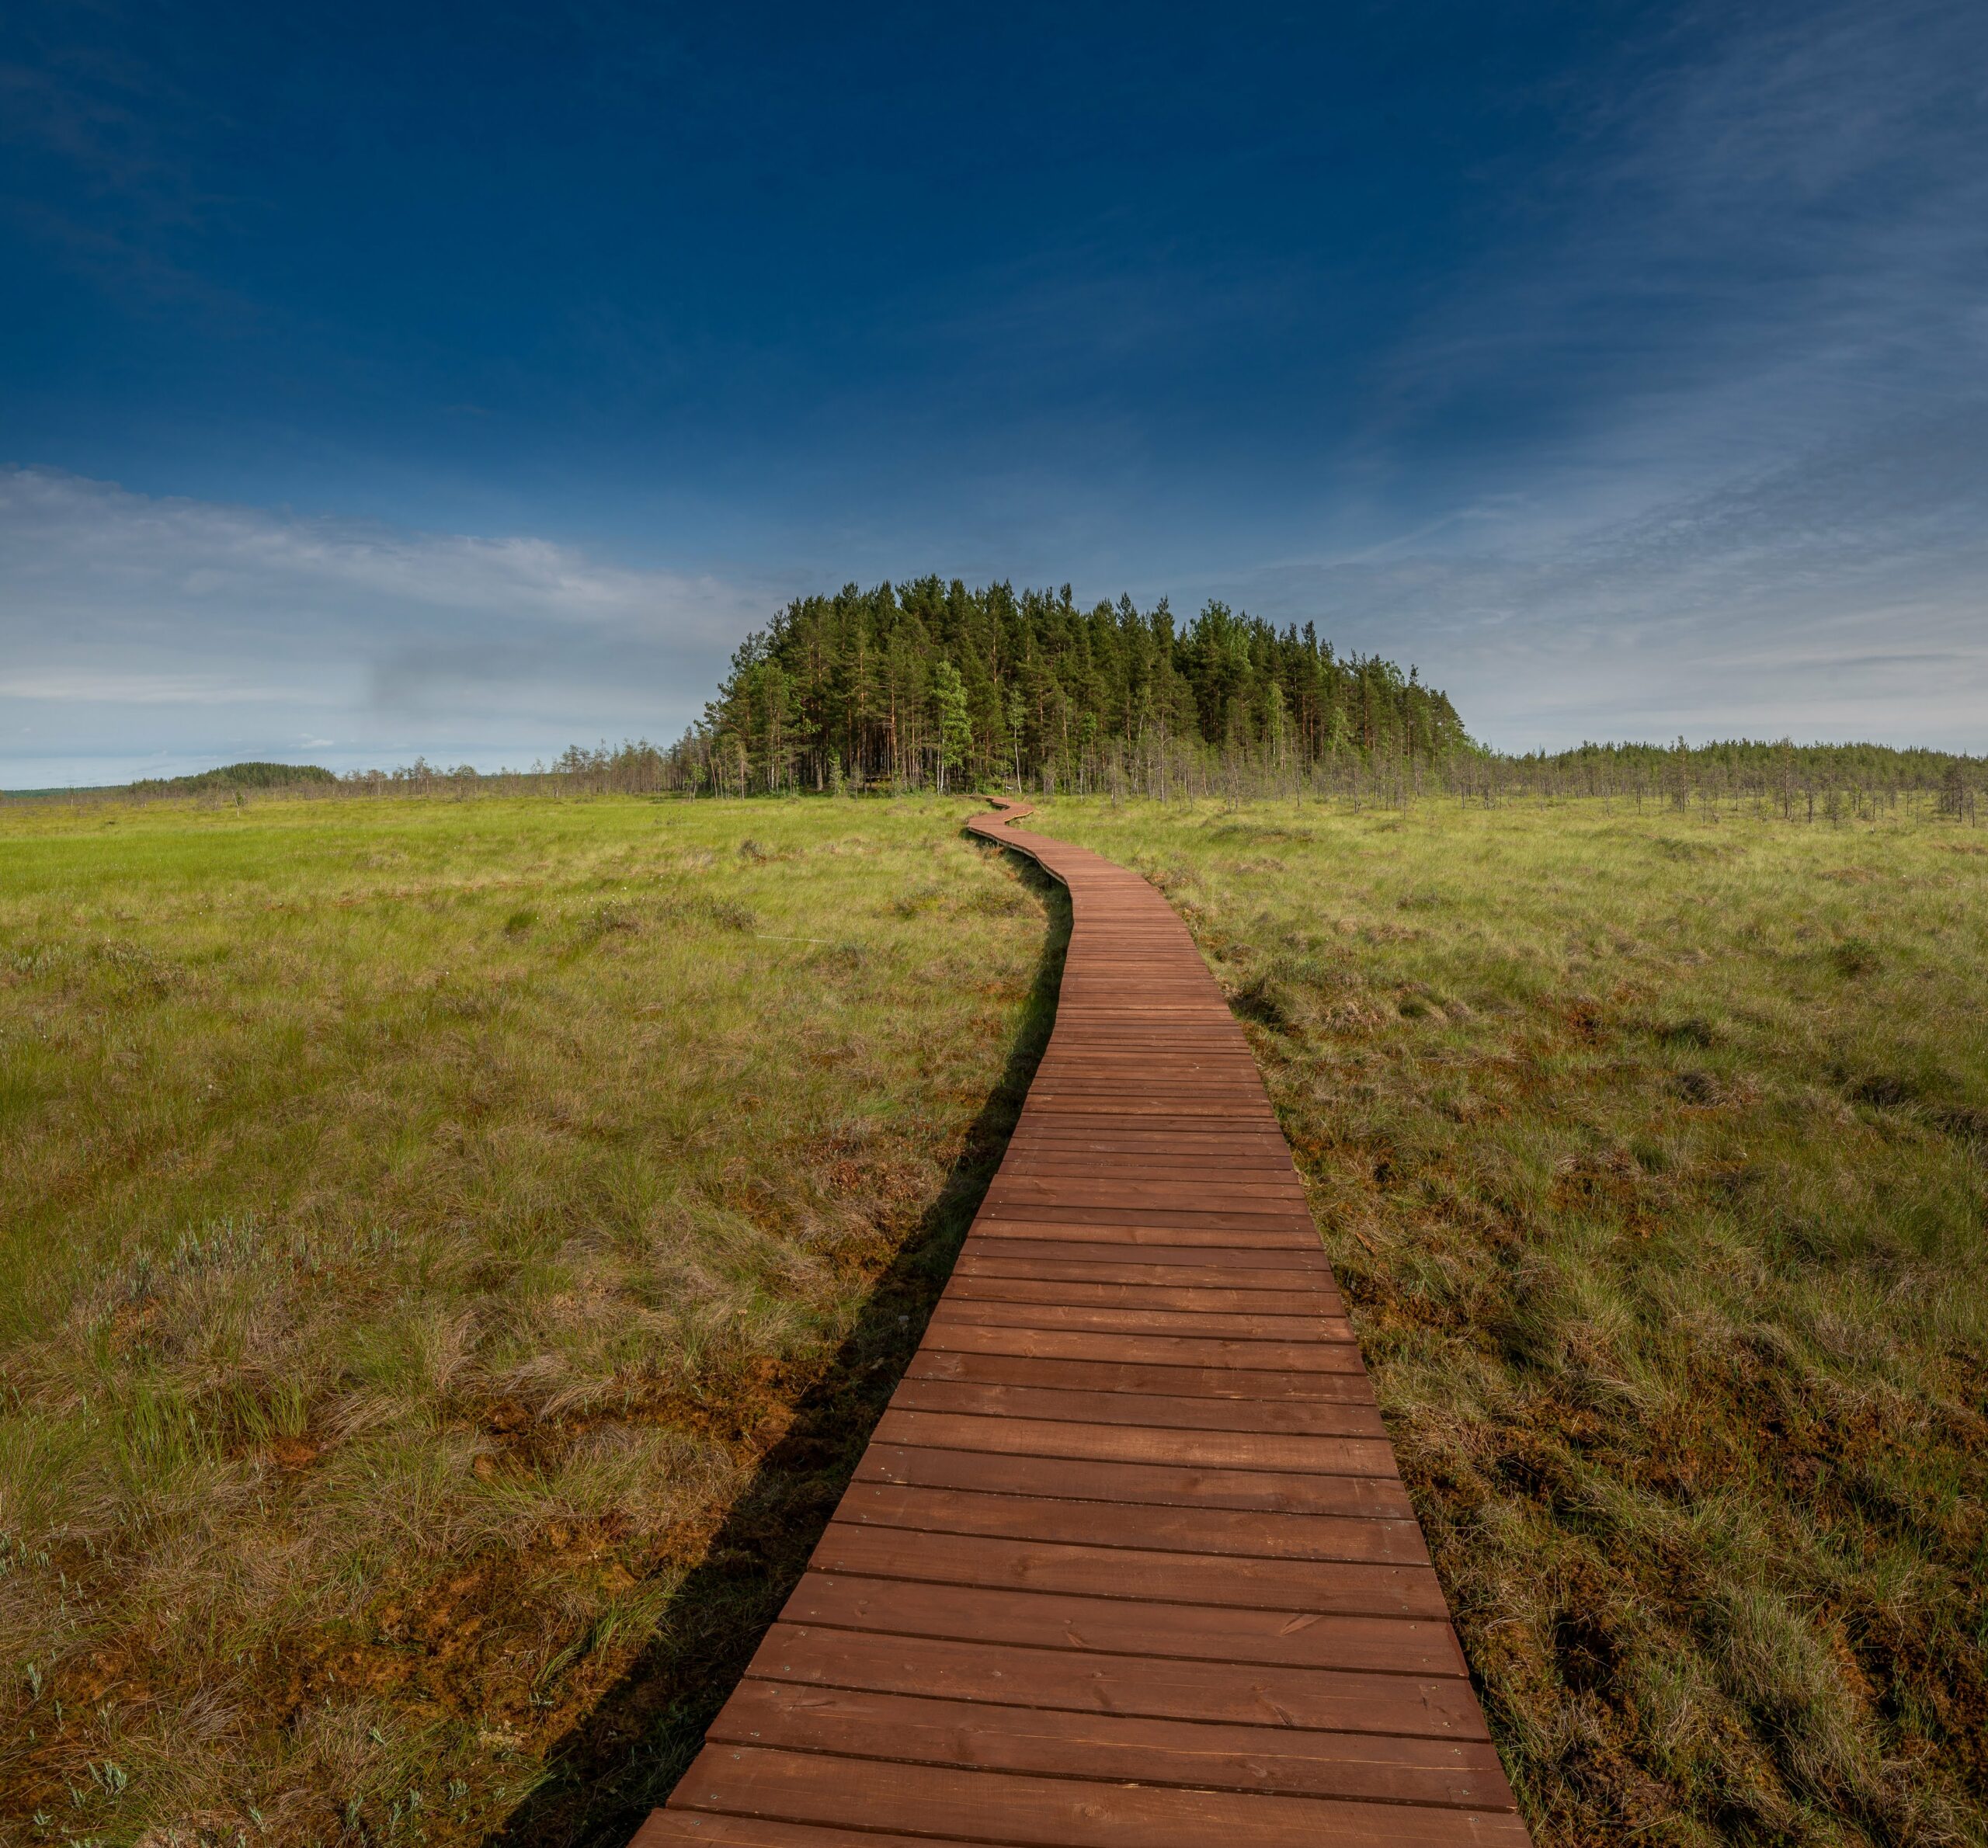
(419, 1222)
(1650, 1153)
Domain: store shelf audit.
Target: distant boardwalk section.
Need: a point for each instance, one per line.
(1129, 1563)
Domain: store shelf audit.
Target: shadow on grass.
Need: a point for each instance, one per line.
(621, 1760)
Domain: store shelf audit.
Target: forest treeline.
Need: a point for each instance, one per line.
(919, 685)
(1815, 782)
(231, 777)
(925, 684)
(929, 684)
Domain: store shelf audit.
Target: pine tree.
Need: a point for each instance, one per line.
(955, 729)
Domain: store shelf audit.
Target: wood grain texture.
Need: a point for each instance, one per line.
(1128, 1560)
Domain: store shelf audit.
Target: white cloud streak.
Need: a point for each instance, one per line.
(137, 633)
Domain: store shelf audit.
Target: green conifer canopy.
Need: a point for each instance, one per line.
(867, 684)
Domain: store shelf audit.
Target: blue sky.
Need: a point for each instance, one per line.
(467, 381)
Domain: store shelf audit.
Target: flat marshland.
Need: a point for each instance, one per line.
(452, 1252)
(1652, 1152)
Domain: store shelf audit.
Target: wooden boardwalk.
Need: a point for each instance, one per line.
(1127, 1563)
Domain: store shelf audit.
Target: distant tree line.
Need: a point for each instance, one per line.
(929, 685)
(233, 776)
(1835, 783)
(1831, 783)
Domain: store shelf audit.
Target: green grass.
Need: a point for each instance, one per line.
(452, 1249)
(1650, 1151)
(423, 1221)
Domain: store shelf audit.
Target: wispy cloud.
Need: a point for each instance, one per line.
(1704, 445)
(125, 622)
(1844, 593)
(1777, 228)
(119, 125)
(75, 686)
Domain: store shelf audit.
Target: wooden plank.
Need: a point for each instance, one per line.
(1246, 1140)
(1209, 1383)
(1118, 1293)
(950, 1335)
(1281, 1331)
(1047, 1131)
(1081, 1680)
(1288, 1225)
(1226, 1202)
(1218, 1173)
(1172, 1484)
(1327, 1418)
(1293, 1637)
(1058, 1812)
(1137, 1443)
(1117, 1228)
(1248, 1581)
(1140, 1267)
(1127, 1563)
(1118, 1747)
(1137, 1096)
(674, 1827)
(1360, 1535)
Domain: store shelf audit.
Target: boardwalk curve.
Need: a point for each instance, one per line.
(1127, 1563)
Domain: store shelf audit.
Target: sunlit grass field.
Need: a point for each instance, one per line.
(420, 1218)
(452, 1251)
(1652, 1150)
